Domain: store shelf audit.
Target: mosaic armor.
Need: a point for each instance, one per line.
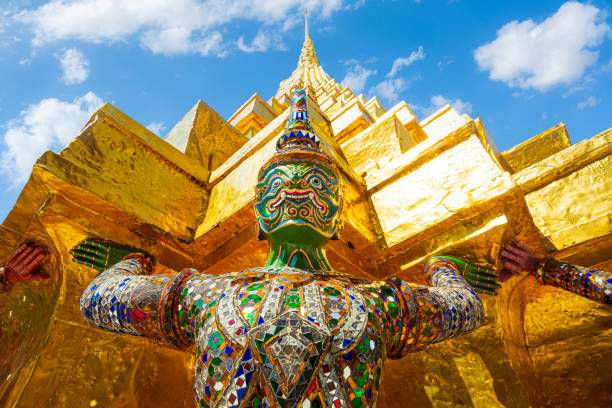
(283, 336)
(590, 283)
(293, 333)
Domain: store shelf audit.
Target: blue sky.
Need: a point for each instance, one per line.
(521, 66)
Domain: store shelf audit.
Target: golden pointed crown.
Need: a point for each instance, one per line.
(299, 140)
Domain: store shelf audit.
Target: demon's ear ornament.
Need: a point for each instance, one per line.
(339, 222)
(339, 227)
(260, 234)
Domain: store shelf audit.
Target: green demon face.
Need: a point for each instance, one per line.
(299, 193)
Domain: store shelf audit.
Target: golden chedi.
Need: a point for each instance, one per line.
(413, 189)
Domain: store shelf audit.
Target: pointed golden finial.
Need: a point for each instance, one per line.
(306, 36)
(308, 55)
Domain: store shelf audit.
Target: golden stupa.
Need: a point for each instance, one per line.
(413, 188)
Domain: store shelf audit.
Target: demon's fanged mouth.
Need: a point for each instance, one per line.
(297, 197)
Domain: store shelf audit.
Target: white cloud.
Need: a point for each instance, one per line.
(75, 66)
(262, 42)
(438, 101)
(558, 50)
(4, 20)
(49, 124)
(178, 40)
(356, 76)
(589, 102)
(164, 27)
(389, 89)
(156, 127)
(444, 62)
(400, 63)
(608, 66)
(356, 5)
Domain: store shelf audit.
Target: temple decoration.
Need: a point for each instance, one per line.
(412, 189)
(294, 333)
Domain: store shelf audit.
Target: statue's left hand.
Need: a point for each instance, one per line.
(23, 265)
(483, 280)
(101, 255)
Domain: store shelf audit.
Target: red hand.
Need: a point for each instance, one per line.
(517, 257)
(22, 265)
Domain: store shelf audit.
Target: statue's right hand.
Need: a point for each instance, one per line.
(517, 257)
(23, 265)
(100, 255)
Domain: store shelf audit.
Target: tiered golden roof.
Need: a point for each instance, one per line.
(413, 188)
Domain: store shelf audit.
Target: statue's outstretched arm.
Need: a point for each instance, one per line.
(593, 284)
(126, 298)
(448, 308)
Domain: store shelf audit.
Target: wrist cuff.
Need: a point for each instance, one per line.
(4, 283)
(544, 267)
(143, 259)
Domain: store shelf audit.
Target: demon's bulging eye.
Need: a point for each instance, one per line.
(276, 183)
(316, 182)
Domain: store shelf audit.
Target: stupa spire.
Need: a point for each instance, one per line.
(308, 56)
(306, 36)
(308, 73)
